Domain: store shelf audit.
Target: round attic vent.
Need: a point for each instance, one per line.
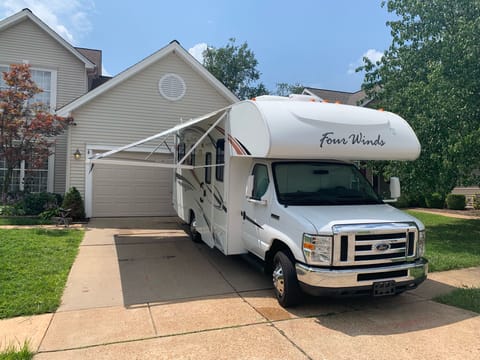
(172, 87)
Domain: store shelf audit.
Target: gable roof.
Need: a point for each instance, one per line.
(175, 48)
(344, 97)
(27, 14)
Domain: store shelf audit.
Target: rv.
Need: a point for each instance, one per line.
(277, 177)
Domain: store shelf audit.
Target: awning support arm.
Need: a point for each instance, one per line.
(203, 137)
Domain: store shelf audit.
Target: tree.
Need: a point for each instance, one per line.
(285, 89)
(236, 67)
(27, 128)
(430, 75)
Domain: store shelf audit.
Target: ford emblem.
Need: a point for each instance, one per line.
(382, 247)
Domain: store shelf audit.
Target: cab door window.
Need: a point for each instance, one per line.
(260, 181)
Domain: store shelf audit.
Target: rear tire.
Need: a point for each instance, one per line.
(285, 282)
(192, 230)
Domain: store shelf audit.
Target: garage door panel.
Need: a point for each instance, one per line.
(121, 190)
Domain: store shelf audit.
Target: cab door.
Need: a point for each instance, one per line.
(256, 208)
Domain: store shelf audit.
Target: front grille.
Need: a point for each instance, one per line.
(364, 244)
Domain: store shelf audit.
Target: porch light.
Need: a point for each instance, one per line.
(77, 155)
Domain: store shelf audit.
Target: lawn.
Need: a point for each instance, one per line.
(34, 267)
(468, 299)
(451, 243)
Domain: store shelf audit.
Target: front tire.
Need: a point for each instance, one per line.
(192, 230)
(285, 282)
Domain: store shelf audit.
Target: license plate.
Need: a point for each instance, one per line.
(384, 288)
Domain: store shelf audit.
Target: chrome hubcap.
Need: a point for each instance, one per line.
(278, 279)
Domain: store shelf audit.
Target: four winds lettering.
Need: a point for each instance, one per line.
(353, 139)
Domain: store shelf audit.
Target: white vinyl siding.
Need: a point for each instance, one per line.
(134, 109)
(27, 42)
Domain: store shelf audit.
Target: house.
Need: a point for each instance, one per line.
(349, 98)
(60, 70)
(151, 96)
(148, 97)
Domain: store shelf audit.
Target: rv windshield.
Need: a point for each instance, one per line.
(321, 183)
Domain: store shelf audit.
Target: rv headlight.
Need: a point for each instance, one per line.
(421, 243)
(317, 249)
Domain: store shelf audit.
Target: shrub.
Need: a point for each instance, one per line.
(402, 202)
(435, 201)
(73, 201)
(35, 203)
(456, 201)
(476, 202)
(10, 210)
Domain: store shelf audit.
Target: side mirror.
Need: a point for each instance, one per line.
(394, 188)
(249, 187)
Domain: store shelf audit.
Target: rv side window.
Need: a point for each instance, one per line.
(220, 159)
(192, 158)
(260, 181)
(208, 168)
(180, 151)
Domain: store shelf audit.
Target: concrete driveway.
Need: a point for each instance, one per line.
(140, 289)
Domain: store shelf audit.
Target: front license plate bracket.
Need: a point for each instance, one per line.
(384, 288)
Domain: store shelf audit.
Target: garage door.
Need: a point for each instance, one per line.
(124, 190)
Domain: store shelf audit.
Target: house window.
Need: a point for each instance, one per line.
(45, 80)
(25, 177)
(208, 168)
(220, 159)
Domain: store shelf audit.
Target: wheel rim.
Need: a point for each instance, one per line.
(279, 279)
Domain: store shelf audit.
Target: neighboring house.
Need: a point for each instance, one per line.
(152, 95)
(342, 97)
(60, 70)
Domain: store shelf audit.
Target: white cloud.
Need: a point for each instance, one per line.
(69, 18)
(372, 54)
(197, 51)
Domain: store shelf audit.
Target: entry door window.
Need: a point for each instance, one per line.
(260, 181)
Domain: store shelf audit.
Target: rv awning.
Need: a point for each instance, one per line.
(213, 117)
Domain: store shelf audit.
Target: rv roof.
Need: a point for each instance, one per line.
(293, 128)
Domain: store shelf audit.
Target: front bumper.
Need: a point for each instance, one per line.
(322, 281)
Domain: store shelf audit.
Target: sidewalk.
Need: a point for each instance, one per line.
(152, 293)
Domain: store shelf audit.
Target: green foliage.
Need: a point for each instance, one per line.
(285, 89)
(476, 202)
(236, 67)
(451, 243)
(35, 267)
(12, 353)
(435, 201)
(12, 210)
(48, 214)
(430, 75)
(35, 203)
(73, 201)
(468, 299)
(456, 201)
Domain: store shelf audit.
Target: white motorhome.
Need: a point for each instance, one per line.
(276, 177)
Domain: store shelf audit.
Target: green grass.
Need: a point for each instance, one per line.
(451, 243)
(20, 220)
(468, 299)
(12, 353)
(34, 265)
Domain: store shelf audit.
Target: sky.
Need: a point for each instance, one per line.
(316, 43)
